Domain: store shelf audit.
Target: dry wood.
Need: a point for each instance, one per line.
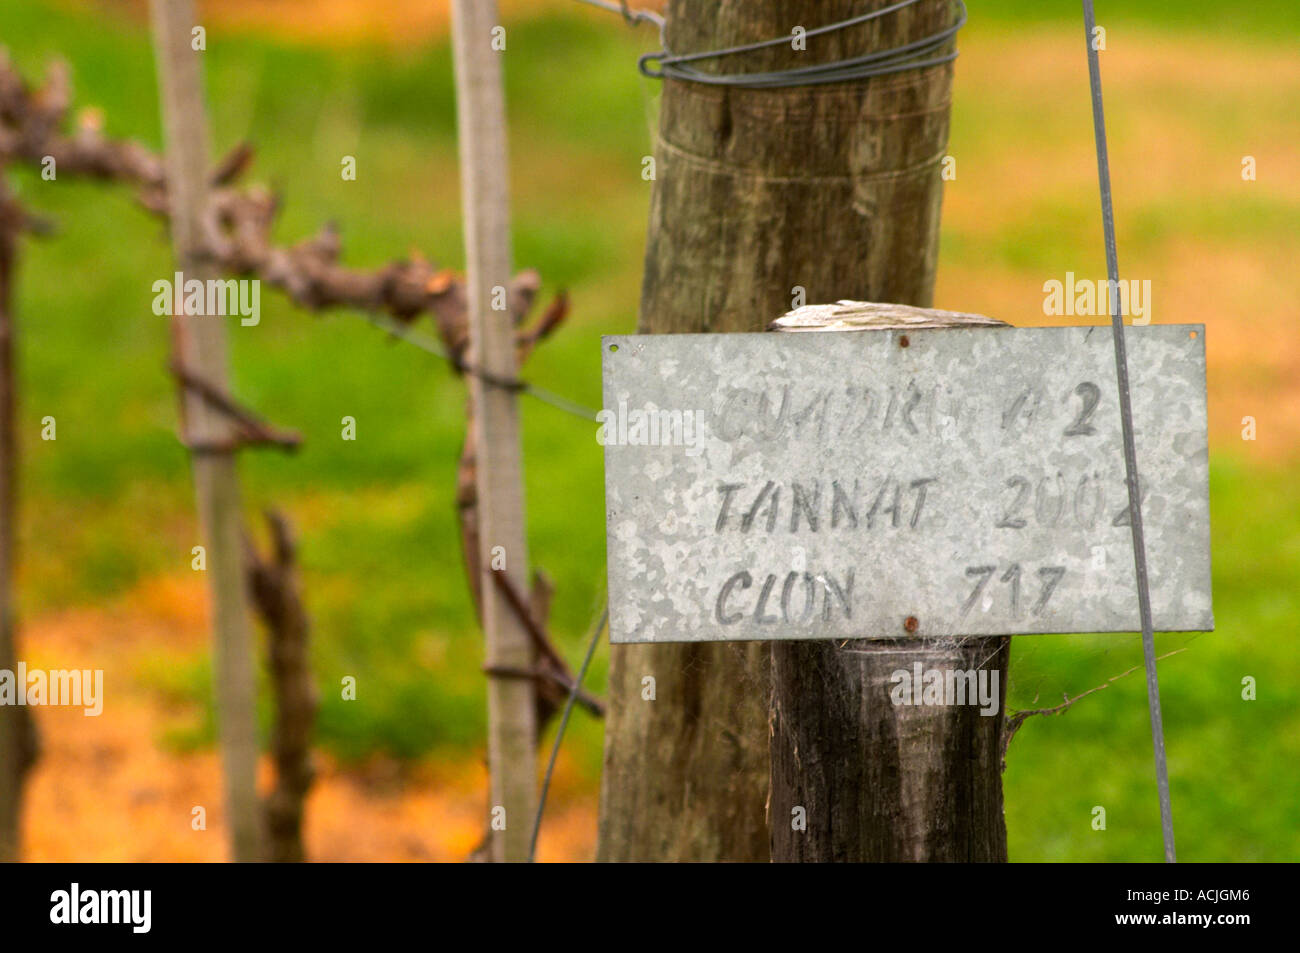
(199, 345)
(236, 223)
(554, 679)
(1017, 719)
(276, 591)
(861, 315)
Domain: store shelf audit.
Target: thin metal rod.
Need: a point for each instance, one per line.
(1130, 450)
(559, 734)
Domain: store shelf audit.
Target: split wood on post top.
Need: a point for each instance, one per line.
(866, 315)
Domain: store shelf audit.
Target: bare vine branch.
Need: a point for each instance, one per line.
(1018, 718)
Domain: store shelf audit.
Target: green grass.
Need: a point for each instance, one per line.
(1262, 17)
(1230, 760)
(109, 503)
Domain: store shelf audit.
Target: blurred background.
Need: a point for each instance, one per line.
(1192, 87)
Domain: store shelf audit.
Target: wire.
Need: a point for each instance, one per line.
(1130, 450)
(633, 17)
(559, 733)
(521, 386)
(928, 51)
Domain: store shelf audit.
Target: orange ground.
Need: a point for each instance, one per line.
(110, 789)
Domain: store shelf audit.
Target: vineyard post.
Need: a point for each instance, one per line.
(200, 348)
(479, 41)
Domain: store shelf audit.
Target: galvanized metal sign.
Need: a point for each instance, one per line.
(885, 483)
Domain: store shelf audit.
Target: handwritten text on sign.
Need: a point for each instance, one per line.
(842, 485)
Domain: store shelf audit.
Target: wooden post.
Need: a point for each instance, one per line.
(17, 731)
(762, 199)
(878, 781)
(200, 347)
(512, 713)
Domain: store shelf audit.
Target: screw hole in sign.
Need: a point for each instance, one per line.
(903, 341)
(1191, 334)
(613, 347)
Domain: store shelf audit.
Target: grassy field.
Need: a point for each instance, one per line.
(107, 507)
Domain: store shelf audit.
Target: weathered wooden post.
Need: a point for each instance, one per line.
(762, 199)
(503, 548)
(200, 349)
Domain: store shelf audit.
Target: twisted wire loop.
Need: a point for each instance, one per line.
(931, 50)
(630, 16)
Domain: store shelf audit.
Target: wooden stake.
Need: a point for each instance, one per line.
(512, 719)
(200, 346)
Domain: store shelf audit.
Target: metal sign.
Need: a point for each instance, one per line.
(965, 481)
